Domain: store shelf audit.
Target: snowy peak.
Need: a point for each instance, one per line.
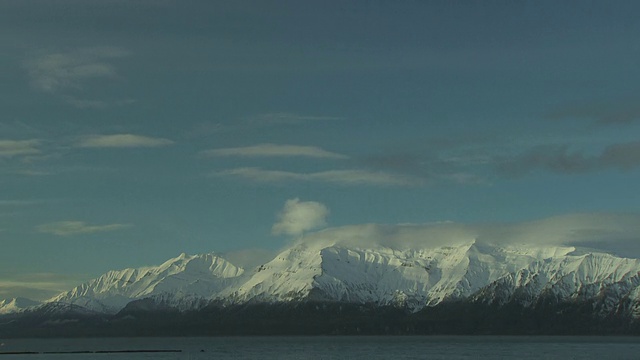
(201, 275)
(15, 305)
(288, 277)
(415, 277)
(579, 275)
(385, 275)
(209, 264)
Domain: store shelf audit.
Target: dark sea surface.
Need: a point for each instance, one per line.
(373, 347)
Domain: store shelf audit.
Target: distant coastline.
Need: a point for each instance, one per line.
(318, 318)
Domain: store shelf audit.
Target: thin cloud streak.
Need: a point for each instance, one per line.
(95, 104)
(269, 120)
(560, 159)
(29, 172)
(285, 118)
(274, 150)
(67, 74)
(605, 230)
(11, 148)
(603, 113)
(351, 177)
(60, 71)
(37, 286)
(20, 202)
(69, 228)
(122, 141)
(435, 165)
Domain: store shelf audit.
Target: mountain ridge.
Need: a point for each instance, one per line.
(343, 288)
(411, 278)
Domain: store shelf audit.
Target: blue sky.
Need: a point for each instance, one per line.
(133, 131)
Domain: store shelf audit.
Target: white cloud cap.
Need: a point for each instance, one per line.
(617, 233)
(299, 216)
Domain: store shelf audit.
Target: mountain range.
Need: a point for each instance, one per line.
(413, 280)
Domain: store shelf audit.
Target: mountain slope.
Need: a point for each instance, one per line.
(200, 275)
(411, 278)
(15, 305)
(382, 275)
(609, 280)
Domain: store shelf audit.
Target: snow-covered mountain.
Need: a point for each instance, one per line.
(10, 306)
(577, 276)
(384, 275)
(188, 279)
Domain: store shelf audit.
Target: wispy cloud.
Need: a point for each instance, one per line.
(288, 118)
(95, 104)
(68, 228)
(479, 166)
(259, 121)
(20, 202)
(37, 286)
(433, 165)
(67, 73)
(11, 148)
(274, 150)
(62, 70)
(561, 159)
(28, 172)
(605, 113)
(121, 141)
(22, 205)
(606, 231)
(352, 177)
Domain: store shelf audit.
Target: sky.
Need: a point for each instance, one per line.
(133, 131)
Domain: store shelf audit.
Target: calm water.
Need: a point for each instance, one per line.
(434, 347)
